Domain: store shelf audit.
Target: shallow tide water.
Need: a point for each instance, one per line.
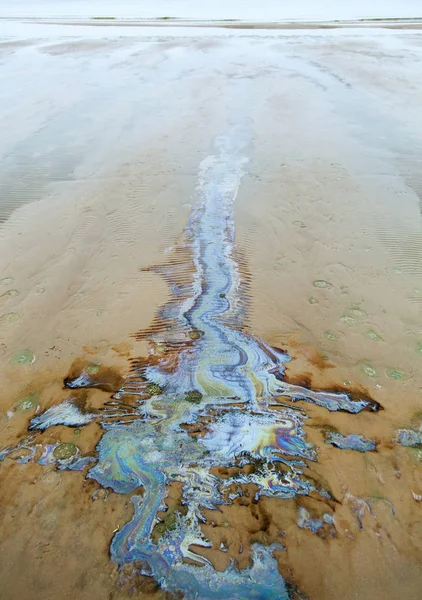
(210, 294)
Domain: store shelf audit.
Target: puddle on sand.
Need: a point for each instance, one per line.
(208, 396)
(24, 357)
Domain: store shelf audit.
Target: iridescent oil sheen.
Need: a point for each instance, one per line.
(203, 369)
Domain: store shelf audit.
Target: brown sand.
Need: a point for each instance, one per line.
(104, 136)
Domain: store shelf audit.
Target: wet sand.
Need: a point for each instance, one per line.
(105, 132)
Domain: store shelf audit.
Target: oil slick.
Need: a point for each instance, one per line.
(410, 438)
(306, 521)
(209, 394)
(350, 442)
(67, 413)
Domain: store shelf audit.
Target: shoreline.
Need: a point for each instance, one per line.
(107, 21)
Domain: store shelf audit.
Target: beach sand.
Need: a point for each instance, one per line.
(104, 130)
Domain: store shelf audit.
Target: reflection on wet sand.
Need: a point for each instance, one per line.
(216, 452)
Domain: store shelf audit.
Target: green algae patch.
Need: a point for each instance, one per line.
(195, 334)
(23, 357)
(92, 369)
(27, 403)
(353, 315)
(396, 374)
(372, 335)
(168, 524)
(153, 389)
(329, 335)
(194, 397)
(348, 320)
(6, 281)
(369, 370)
(10, 294)
(11, 317)
(415, 455)
(321, 283)
(161, 348)
(356, 312)
(65, 451)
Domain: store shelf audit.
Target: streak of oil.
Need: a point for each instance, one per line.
(208, 395)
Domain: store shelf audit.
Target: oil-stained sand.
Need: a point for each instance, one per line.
(107, 134)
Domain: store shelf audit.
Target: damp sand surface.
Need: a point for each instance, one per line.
(108, 134)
